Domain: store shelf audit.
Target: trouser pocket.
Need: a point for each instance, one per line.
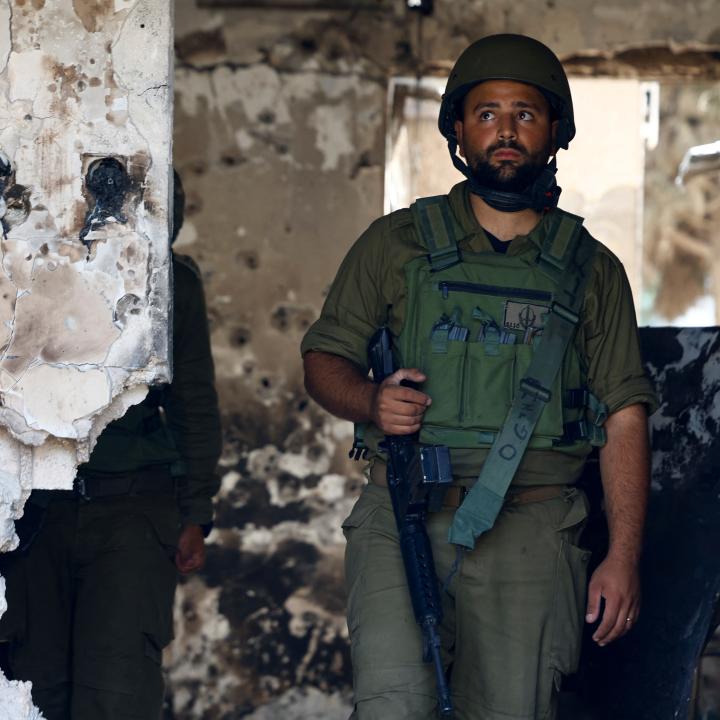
(157, 608)
(570, 587)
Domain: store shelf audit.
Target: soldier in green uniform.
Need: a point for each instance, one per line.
(518, 332)
(91, 598)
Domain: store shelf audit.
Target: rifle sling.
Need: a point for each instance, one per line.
(478, 512)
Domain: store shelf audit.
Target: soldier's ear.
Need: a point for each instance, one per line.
(459, 136)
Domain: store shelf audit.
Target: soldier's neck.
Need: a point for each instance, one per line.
(503, 225)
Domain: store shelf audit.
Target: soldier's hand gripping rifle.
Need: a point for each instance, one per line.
(415, 477)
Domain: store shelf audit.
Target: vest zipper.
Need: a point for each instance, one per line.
(446, 287)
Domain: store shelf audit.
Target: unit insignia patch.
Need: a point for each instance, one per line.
(524, 316)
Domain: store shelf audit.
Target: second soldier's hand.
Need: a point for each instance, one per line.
(397, 409)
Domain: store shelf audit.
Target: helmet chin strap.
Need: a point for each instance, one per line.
(542, 194)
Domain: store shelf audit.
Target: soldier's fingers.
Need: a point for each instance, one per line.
(406, 394)
(401, 409)
(593, 605)
(392, 418)
(412, 374)
(396, 429)
(609, 619)
(622, 625)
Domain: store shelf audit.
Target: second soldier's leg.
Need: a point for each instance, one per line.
(126, 582)
(390, 678)
(40, 594)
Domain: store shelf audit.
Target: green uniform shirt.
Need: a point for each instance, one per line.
(189, 436)
(369, 291)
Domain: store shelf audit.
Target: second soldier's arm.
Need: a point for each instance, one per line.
(342, 389)
(191, 409)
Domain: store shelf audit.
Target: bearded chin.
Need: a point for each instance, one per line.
(498, 177)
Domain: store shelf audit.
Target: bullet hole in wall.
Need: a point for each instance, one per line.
(308, 45)
(315, 452)
(279, 318)
(240, 337)
(193, 204)
(128, 304)
(250, 259)
(364, 161)
(267, 117)
(232, 158)
(198, 167)
(286, 318)
(107, 184)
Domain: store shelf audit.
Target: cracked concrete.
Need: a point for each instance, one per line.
(83, 322)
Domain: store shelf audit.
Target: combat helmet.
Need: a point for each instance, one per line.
(522, 59)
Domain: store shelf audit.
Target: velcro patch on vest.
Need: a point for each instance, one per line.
(522, 316)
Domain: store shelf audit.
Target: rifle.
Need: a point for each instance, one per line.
(416, 478)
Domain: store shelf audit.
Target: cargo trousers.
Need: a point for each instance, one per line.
(90, 607)
(513, 612)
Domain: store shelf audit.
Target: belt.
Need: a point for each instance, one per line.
(156, 481)
(455, 494)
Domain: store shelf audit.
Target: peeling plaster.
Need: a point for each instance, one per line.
(83, 312)
(332, 139)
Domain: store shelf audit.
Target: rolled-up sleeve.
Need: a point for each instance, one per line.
(611, 343)
(356, 305)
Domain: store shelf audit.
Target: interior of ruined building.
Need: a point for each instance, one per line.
(298, 122)
(294, 128)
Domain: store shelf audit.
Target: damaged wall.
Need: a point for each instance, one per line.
(84, 156)
(280, 128)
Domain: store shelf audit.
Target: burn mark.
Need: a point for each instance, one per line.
(127, 305)
(271, 632)
(14, 199)
(108, 183)
(201, 44)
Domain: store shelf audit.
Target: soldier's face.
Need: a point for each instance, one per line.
(506, 134)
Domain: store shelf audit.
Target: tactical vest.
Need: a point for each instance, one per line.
(474, 323)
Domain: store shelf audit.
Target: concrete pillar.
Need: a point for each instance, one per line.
(85, 143)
